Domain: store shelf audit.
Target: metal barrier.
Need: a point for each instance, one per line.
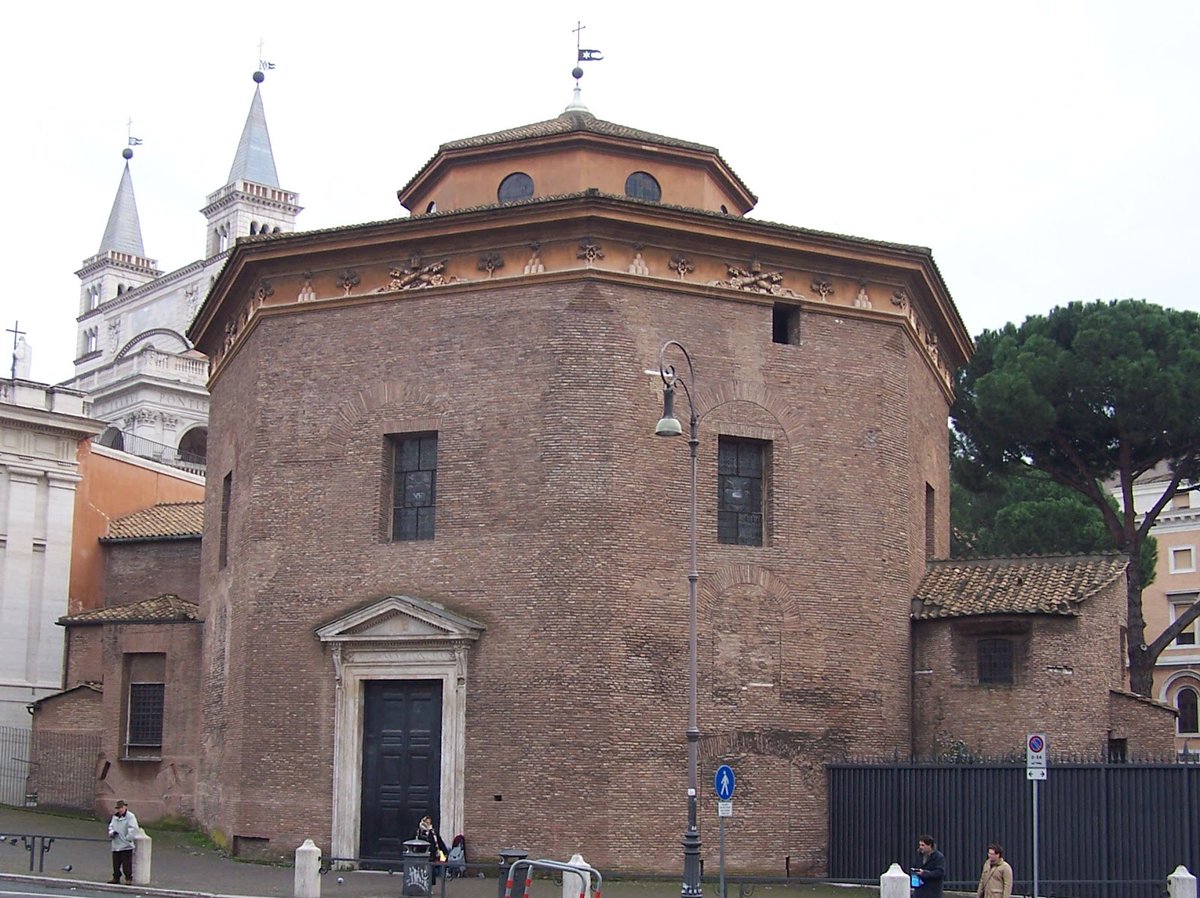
(579, 869)
(39, 844)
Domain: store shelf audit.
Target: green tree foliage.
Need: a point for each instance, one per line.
(1092, 394)
(1027, 514)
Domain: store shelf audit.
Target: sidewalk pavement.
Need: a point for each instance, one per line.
(185, 867)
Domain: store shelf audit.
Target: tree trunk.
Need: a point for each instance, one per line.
(1141, 662)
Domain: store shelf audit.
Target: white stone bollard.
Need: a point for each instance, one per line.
(576, 884)
(894, 883)
(1181, 883)
(307, 881)
(143, 857)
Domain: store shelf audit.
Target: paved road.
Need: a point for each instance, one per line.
(79, 861)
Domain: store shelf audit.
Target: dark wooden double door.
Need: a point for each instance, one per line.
(401, 765)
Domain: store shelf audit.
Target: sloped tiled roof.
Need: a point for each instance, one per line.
(158, 610)
(567, 122)
(169, 520)
(1025, 585)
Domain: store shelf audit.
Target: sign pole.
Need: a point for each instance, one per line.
(1034, 783)
(722, 892)
(1036, 747)
(724, 783)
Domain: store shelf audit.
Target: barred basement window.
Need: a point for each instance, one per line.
(995, 658)
(414, 485)
(740, 474)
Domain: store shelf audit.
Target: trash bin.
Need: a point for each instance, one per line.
(508, 857)
(416, 869)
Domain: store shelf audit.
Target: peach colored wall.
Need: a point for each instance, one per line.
(464, 184)
(111, 489)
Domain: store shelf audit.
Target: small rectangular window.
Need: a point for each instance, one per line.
(1179, 605)
(146, 714)
(930, 532)
(1183, 559)
(145, 674)
(223, 541)
(785, 323)
(995, 660)
(414, 485)
(741, 468)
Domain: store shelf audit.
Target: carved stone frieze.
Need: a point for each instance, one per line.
(307, 293)
(638, 265)
(534, 265)
(589, 251)
(417, 276)
(900, 298)
(348, 280)
(823, 287)
(263, 292)
(681, 265)
(862, 301)
(755, 281)
(490, 262)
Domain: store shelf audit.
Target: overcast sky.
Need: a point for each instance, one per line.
(1045, 151)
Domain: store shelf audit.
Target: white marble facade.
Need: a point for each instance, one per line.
(41, 428)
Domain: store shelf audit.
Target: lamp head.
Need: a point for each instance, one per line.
(668, 425)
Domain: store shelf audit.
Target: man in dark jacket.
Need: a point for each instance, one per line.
(929, 869)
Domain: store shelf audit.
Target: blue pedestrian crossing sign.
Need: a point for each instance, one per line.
(724, 782)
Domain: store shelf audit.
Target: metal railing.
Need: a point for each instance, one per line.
(191, 462)
(38, 845)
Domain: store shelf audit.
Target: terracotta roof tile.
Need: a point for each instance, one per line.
(163, 608)
(1024, 585)
(169, 520)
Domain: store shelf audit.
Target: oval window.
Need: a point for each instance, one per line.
(517, 186)
(641, 185)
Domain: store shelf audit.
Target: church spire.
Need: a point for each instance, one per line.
(254, 160)
(123, 233)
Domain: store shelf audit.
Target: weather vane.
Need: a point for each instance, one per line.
(133, 141)
(263, 65)
(581, 54)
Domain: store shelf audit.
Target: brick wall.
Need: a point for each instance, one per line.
(1064, 670)
(144, 570)
(562, 526)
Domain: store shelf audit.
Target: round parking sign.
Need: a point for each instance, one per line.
(1037, 743)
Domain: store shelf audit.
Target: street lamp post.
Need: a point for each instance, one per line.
(669, 426)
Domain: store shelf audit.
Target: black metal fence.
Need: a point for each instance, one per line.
(1105, 830)
(14, 764)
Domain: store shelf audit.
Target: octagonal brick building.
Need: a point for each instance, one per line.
(445, 557)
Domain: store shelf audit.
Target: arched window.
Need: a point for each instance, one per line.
(193, 448)
(642, 186)
(253, 228)
(91, 340)
(517, 186)
(1188, 723)
(432, 207)
(112, 438)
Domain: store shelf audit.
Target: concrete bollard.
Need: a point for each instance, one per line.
(1181, 883)
(143, 857)
(578, 885)
(307, 881)
(894, 883)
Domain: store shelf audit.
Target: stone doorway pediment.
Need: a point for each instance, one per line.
(400, 619)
